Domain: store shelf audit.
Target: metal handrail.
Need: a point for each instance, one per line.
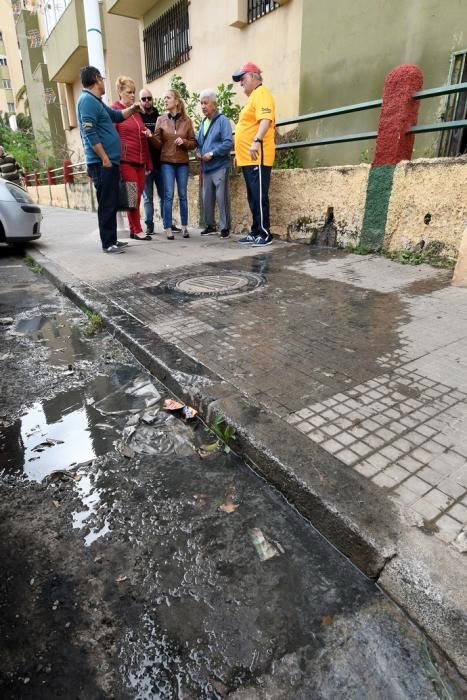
(80, 168)
(324, 114)
(437, 92)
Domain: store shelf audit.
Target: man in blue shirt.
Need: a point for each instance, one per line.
(214, 141)
(101, 144)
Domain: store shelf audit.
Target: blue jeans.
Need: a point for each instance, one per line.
(152, 178)
(170, 173)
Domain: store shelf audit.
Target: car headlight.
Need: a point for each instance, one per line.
(18, 193)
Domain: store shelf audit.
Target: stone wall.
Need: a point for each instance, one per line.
(428, 186)
(301, 200)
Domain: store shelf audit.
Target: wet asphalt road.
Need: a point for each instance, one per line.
(142, 562)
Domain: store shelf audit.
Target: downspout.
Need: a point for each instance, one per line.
(92, 20)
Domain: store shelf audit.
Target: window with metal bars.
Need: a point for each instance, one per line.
(167, 41)
(259, 8)
(454, 142)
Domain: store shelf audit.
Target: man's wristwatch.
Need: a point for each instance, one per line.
(257, 140)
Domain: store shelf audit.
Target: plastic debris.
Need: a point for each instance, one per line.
(121, 579)
(134, 397)
(59, 474)
(188, 413)
(172, 405)
(264, 549)
(6, 321)
(205, 451)
(229, 507)
(231, 500)
(49, 442)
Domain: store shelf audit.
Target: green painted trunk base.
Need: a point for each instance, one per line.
(376, 206)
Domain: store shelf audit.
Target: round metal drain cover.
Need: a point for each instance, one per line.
(221, 284)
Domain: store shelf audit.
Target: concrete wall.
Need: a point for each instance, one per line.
(346, 55)
(435, 187)
(76, 196)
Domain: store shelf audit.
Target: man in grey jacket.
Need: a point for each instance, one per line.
(214, 143)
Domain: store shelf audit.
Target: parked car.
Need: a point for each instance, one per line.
(20, 217)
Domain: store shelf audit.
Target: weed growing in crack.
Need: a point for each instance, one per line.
(221, 429)
(33, 265)
(95, 322)
(405, 257)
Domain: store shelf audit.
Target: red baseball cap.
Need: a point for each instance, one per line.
(247, 68)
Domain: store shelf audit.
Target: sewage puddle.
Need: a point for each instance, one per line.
(63, 339)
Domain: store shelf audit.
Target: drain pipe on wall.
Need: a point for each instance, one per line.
(92, 20)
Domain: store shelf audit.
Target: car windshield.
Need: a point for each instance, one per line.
(18, 193)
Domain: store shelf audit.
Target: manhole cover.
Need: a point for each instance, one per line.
(210, 284)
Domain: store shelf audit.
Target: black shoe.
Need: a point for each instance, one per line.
(140, 236)
(149, 228)
(175, 229)
(225, 233)
(208, 231)
(112, 249)
(121, 244)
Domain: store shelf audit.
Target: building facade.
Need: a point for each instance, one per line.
(66, 52)
(313, 56)
(204, 42)
(11, 75)
(346, 57)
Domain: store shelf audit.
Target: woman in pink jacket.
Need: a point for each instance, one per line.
(136, 158)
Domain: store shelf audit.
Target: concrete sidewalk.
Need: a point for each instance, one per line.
(344, 376)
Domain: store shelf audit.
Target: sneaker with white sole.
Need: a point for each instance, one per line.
(247, 240)
(112, 249)
(261, 241)
(121, 244)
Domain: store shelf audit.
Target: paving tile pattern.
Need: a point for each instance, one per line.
(366, 357)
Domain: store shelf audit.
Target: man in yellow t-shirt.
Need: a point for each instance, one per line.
(255, 150)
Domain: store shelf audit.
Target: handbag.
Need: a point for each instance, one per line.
(127, 195)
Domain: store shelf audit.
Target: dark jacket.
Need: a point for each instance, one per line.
(169, 128)
(217, 140)
(150, 119)
(135, 149)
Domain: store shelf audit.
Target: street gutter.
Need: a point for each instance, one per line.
(369, 529)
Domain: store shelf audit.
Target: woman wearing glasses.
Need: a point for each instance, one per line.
(136, 159)
(175, 136)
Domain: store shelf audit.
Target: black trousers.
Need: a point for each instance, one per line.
(106, 183)
(257, 179)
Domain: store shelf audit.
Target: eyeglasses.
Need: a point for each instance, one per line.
(101, 77)
(146, 99)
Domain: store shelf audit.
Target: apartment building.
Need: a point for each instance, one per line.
(11, 75)
(65, 50)
(313, 55)
(205, 41)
